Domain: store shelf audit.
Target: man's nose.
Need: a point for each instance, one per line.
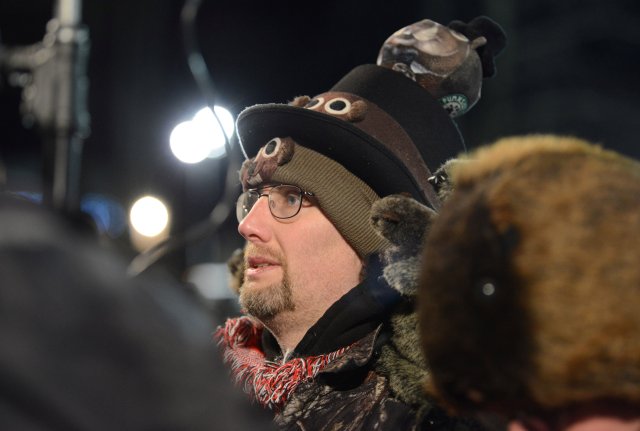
(255, 226)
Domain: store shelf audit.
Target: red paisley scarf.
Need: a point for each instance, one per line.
(267, 382)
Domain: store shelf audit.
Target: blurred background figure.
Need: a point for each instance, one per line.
(84, 345)
(530, 290)
(86, 348)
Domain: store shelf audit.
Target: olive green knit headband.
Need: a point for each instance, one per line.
(344, 198)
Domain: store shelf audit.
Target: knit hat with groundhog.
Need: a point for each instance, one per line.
(381, 129)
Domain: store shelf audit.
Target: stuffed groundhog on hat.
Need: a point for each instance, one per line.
(529, 297)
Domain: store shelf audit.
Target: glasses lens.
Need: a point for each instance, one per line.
(245, 202)
(285, 201)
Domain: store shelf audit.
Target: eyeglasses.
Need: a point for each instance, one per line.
(285, 200)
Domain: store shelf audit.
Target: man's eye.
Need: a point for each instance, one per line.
(293, 199)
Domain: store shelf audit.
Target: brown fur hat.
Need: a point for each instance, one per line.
(529, 299)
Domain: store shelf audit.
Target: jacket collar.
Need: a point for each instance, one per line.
(358, 313)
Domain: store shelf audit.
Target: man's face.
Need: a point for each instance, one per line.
(297, 265)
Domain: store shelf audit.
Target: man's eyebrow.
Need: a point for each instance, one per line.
(261, 187)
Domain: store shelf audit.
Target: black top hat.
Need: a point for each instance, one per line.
(402, 137)
(384, 123)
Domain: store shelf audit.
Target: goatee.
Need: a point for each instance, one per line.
(267, 302)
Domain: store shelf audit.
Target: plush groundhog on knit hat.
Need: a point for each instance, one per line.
(530, 293)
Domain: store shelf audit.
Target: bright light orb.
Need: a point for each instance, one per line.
(205, 115)
(195, 140)
(208, 127)
(188, 143)
(149, 216)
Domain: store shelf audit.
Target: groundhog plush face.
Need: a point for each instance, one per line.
(425, 47)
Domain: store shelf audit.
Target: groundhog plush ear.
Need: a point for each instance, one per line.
(483, 27)
(300, 101)
(358, 111)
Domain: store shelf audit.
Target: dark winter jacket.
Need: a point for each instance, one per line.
(358, 368)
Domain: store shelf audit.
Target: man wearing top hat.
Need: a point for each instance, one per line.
(316, 345)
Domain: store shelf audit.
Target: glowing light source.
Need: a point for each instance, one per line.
(148, 222)
(149, 216)
(195, 140)
(187, 145)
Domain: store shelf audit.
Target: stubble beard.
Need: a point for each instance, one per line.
(265, 303)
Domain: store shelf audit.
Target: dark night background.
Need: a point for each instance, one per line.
(570, 67)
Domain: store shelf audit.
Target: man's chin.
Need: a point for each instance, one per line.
(265, 301)
(263, 278)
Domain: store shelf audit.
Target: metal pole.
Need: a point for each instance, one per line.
(70, 126)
